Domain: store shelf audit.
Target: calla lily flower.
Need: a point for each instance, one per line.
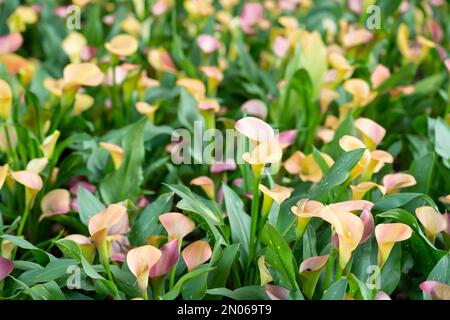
(6, 267)
(265, 153)
(20, 18)
(280, 46)
(32, 183)
(196, 254)
(387, 235)
(417, 53)
(360, 91)
(255, 107)
(349, 143)
(132, 26)
(276, 292)
(169, 258)
(278, 194)
(348, 227)
(73, 44)
(115, 151)
(37, 165)
(379, 75)
(286, 138)
(381, 295)
(251, 15)
(306, 166)
(395, 181)
(122, 45)
(432, 221)
(214, 77)
(140, 260)
(208, 43)
(362, 188)
(437, 290)
(176, 224)
(85, 244)
(264, 273)
(147, 110)
(54, 203)
(356, 37)
(227, 165)
(109, 223)
(310, 270)
(10, 42)
(206, 184)
(4, 169)
(7, 248)
(161, 61)
(82, 74)
(194, 86)
(255, 129)
(82, 103)
(306, 209)
(327, 96)
(49, 143)
(5, 100)
(371, 132)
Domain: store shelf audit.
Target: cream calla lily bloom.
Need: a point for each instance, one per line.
(306, 166)
(115, 151)
(73, 44)
(387, 235)
(371, 132)
(206, 184)
(32, 183)
(140, 260)
(54, 203)
(393, 182)
(359, 190)
(196, 254)
(432, 221)
(82, 74)
(122, 45)
(349, 143)
(146, 109)
(177, 225)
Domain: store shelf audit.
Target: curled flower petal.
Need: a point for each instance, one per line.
(255, 129)
(194, 86)
(169, 258)
(115, 151)
(276, 292)
(369, 225)
(264, 153)
(5, 99)
(161, 60)
(176, 224)
(379, 75)
(10, 42)
(255, 107)
(227, 165)
(251, 14)
(278, 193)
(206, 184)
(280, 46)
(357, 37)
(432, 221)
(387, 235)
(49, 144)
(28, 178)
(437, 290)
(395, 181)
(362, 188)
(54, 203)
(113, 220)
(196, 254)
(313, 263)
(371, 132)
(140, 260)
(381, 295)
(82, 74)
(264, 273)
(286, 138)
(122, 45)
(73, 44)
(6, 267)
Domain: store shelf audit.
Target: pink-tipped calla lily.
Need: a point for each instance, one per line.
(169, 258)
(115, 151)
(208, 43)
(176, 224)
(227, 165)
(379, 75)
(10, 42)
(206, 184)
(432, 221)
(255, 107)
(371, 132)
(196, 254)
(54, 203)
(280, 46)
(437, 290)
(252, 14)
(305, 210)
(82, 74)
(85, 244)
(6, 267)
(140, 260)
(286, 138)
(393, 182)
(310, 270)
(276, 292)
(349, 143)
(109, 223)
(306, 166)
(359, 190)
(32, 183)
(161, 60)
(278, 194)
(122, 45)
(387, 235)
(255, 129)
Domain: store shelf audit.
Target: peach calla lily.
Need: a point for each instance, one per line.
(115, 151)
(255, 129)
(432, 221)
(37, 165)
(194, 86)
(348, 227)
(305, 210)
(32, 183)
(109, 223)
(437, 290)
(255, 107)
(371, 132)
(54, 203)
(73, 44)
(122, 45)
(10, 42)
(286, 138)
(327, 96)
(393, 182)
(82, 74)
(387, 235)
(349, 143)
(278, 194)
(140, 260)
(196, 254)
(265, 153)
(356, 37)
(5, 100)
(20, 18)
(359, 190)
(82, 103)
(208, 43)
(146, 109)
(306, 166)
(49, 143)
(161, 61)
(85, 244)
(206, 184)
(360, 91)
(379, 75)
(176, 224)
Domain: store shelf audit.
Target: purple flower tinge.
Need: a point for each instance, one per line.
(169, 258)
(6, 267)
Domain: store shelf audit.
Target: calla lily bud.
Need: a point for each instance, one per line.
(387, 235)
(85, 244)
(206, 184)
(310, 270)
(140, 260)
(49, 143)
(115, 151)
(432, 221)
(264, 273)
(177, 225)
(196, 254)
(169, 258)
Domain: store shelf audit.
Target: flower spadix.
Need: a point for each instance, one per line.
(140, 260)
(176, 224)
(387, 235)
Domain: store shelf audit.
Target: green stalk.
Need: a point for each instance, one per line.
(254, 220)
(10, 148)
(329, 268)
(26, 213)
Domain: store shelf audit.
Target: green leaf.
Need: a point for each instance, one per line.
(218, 277)
(397, 200)
(243, 293)
(440, 273)
(24, 244)
(336, 291)
(124, 183)
(147, 223)
(442, 138)
(422, 169)
(47, 291)
(54, 270)
(279, 257)
(336, 176)
(391, 271)
(173, 294)
(88, 205)
(239, 222)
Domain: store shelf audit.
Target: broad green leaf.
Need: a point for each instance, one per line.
(173, 294)
(336, 291)
(440, 273)
(47, 291)
(243, 293)
(88, 205)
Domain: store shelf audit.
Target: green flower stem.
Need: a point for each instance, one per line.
(24, 219)
(11, 152)
(158, 288)
(329, 267)
(254, 220)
